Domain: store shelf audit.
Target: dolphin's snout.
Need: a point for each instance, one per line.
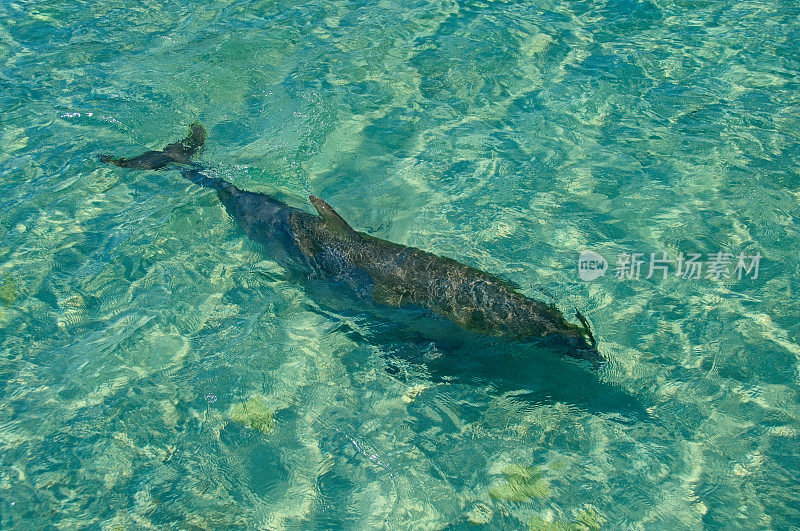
(592, 356)
(579, 348)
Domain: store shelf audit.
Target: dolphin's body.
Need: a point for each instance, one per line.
(375, 270)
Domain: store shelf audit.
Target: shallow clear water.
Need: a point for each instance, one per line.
(137, 321)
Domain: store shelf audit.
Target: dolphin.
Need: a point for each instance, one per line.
(379, 272)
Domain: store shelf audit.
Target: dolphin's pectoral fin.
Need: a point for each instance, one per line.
(387, 295)
(333, 221)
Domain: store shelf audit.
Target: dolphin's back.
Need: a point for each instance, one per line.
(472, 298)
(402, 275)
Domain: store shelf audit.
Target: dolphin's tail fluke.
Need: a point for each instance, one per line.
(176, 153)
(189, 147)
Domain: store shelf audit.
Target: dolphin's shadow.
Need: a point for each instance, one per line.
(541, 377)
(534, 374)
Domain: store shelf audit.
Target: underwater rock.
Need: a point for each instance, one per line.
(8, 291)
(481, 514)
(413, 392)
(590, 518)
(254, 413)
(522, 484)
(587, 519)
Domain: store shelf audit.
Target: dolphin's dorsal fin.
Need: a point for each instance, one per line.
(333, 221)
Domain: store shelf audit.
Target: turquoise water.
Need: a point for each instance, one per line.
(137, 322)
